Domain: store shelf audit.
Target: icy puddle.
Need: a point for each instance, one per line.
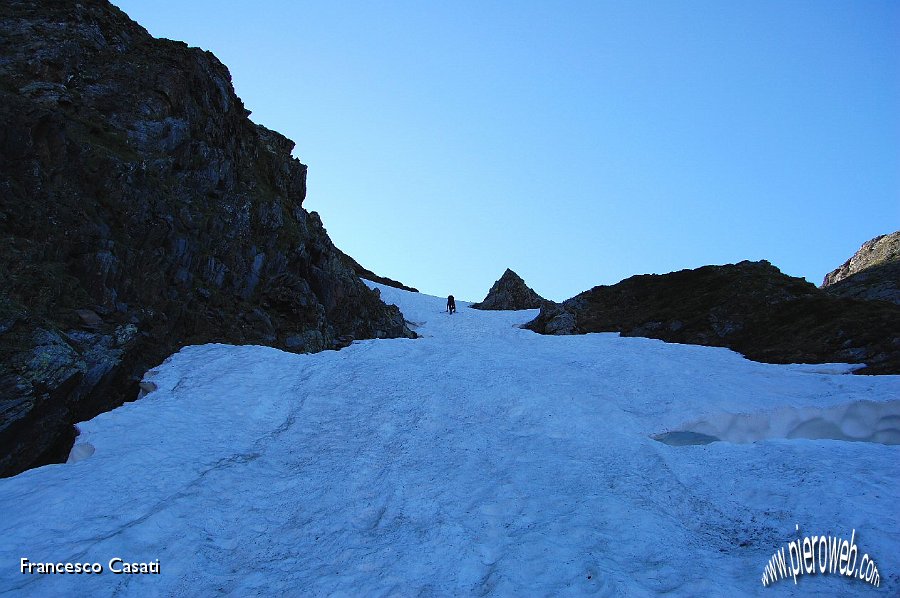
(479, 460)
(860, 421)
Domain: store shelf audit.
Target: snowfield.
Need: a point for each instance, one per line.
(479, 459)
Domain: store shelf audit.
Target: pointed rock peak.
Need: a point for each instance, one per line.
(510, 292)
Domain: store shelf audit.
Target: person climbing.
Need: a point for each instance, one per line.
(451, 304)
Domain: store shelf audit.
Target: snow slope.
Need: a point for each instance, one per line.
(479, 459)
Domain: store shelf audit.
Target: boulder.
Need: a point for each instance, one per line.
(553, 318)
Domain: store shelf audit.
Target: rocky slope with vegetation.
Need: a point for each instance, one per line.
(750, 307)
(140, 211)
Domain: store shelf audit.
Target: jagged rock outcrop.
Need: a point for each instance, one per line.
(880, 250)
(369, 275)
(141, 210)
(750, 307)
(510, 292)
(872, 273)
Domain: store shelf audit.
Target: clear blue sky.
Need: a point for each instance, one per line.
(576, 142)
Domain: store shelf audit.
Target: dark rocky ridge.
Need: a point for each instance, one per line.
(140, 211)
(369, 275)
(510, 292)
(871, 273)
(750, 307)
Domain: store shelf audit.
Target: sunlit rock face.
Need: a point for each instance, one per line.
(872, 273)
(141, 210)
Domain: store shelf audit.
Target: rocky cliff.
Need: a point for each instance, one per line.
(510, 292)
(871, 273)
(141, 210)
(750, 307)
